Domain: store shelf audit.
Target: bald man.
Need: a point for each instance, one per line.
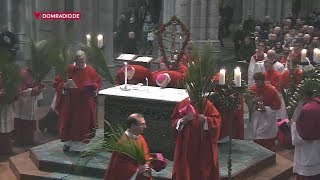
(271, 55)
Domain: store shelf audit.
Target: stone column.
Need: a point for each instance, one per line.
(287, 8)
(106, 28)
(197, 20)
(183, 11)
(43, 29)
(168, 10)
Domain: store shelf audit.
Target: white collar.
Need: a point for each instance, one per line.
(129, 134)
(85, 65)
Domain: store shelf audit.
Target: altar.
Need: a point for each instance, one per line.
(155, 103)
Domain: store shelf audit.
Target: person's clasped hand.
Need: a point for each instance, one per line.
(202, 118)
(187, 118)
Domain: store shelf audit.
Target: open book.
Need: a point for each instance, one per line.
(127, 57)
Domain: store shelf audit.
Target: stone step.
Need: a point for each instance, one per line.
(280, 171)
(24, 169)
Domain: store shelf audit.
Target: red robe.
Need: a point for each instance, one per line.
(273, 77)
(271, 99)
(227, 116)
(308, 126)
(77, 108)
(195, 158)
(174, 75)
(286, 80)
(123, 167)
(140, 75)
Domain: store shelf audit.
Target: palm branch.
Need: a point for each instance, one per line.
(309, 86)
(114, 141)
(60, 56)
(39, 64)
(98, 61)
(10, 76)
(198, 76)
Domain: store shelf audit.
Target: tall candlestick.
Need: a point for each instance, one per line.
(125, 74)
(147, 81)
(290, 64)
(303, 55)
(88, 36)
(237, 77)
(222, 78)
(100, 40)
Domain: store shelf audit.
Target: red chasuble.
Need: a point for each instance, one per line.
(77, 108)
(123, 167)
(174, 75)
(195, 158)
(227, 116)
(286, 80)
(140, 75)
(273, 77)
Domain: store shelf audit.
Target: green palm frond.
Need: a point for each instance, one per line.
(11, 76)
(199, 74)
(60, 56)
(309, 86)
(98, 61)
(115, 141)
(39, 64)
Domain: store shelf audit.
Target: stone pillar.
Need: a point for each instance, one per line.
(106, 28)
(44, 29)
(260, 8)
(77, 29)
(197, 21)
(183, 11)
(287, 8)
(21, 30)
(168, 10)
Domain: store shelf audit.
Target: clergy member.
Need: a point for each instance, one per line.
(26, 108)
(136, 74)
(264, 127)
(166, 78)
(293, 75)
(76, 104)
(306, 138)
(256, 63)
(271, 55)
(196, 138)
(6, 121)
(123, 167)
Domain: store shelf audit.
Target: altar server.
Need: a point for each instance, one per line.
(26, 108)
(136, 74)
(6, 122)
(256, 63)
(196, 137)
(263, 123)
(76, 104)
(306, 138)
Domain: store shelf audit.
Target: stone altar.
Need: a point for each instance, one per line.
(155, 103)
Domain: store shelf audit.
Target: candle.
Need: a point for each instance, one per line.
(125, 74)
(237, 77)
(318, 56)
(88, 36)
(100, 40)
(222, 78)
(290, 63)
(303, 55)
(147, 81)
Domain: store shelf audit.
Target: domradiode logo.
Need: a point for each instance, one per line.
(57, 15)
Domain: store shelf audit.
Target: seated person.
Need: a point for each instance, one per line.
(136, 74)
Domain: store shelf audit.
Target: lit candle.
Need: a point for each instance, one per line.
(125, 74)
(222, 78)
(88, 36)
(318, 56)
(100, 40)
(237, 77)
(303, 55)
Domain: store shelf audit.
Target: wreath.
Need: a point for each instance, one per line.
(185, 35)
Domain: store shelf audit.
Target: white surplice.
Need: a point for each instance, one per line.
(6, 118)
(255, 67)
(26, 107)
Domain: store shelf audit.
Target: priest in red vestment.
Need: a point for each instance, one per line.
(271, 75)
(123, 167)
(76, 104)
(196, 138)
(227, 116)
(263, 123)
(166, 78)
(306, 138)
(136, 74)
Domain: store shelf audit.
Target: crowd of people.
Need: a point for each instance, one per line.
(134, 32)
